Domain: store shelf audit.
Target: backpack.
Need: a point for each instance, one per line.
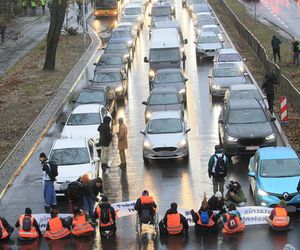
(105, 215)
(220, 168)
(26, 224)
(204, 217)
(53, 168)
(232, 222)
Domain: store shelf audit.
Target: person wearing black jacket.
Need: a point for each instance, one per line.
(216, 202)
(276, 47)
(296, 52)
(105, 140)
(5, 229)
(269, 88)
(75, 194)
(93, 189)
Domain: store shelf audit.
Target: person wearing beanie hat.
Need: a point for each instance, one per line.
(48, 178)
(216, 202)
(28, 228)
(279, 219)
(173, 223)
(145, 207)
(94, 187)
(205, 220)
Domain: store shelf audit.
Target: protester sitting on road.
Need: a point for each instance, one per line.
(145, 207)
(173, 223)
(106, 215)
(93, 189)
(28, 227)
(216, 202)
(279, 217)
(5, 229)
(232, 221)
(57, 228)
(205, 220)
(80, 224)
(75, 193)
(235, 194)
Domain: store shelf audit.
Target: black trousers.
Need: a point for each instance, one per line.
(270, 98)
(276, 52)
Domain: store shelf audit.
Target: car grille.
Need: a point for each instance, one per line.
(280, 196)
(159, 149)
(209, 50)
(252, 141)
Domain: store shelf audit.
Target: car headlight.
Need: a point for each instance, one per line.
(231, 138)
(147, 144)
(182, 91)
(126, 56)
(214, 86)
(139, 19)
(148, 115)
(262, 192)
(119, 89)
(135, 27)
(151, 74)
(182, 143)
(129, 44)
(270, 137)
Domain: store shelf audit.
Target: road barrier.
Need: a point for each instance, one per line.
(286, 87)
(283, 110)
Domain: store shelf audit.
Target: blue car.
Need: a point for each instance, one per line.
(274, 174)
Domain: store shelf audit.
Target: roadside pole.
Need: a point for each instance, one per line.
(84, 23)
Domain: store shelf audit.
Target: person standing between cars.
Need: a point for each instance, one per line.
(279, 217)
(235, 194)
(217, 169)
(80, 224)
(43, 4)
(5, 229)
(2, 30)
(33, 7)
(232, 221)
(48, 178)
(173, 223)
(28, 227)
(122, 142)
(216, 202)
(93, 189)
(269, 88)
(104, 141)
(296, 52)
(24, 6)
(276, 48)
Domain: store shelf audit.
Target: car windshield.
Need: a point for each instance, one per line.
(161, 11)
(108, 77)
(205, 22)
(120, 33)
(70, 156)
(227, 72)
(212, 29)
(201, 8)
(106, 4)
(202, 17)
(116, 46)
(165, 55)
(110, 60)
(164, 99)
(91, 97)
(164, 126)
(132, 11)
(208, 39)
(245, 94)
(234, 57)
(168, 78)
(277, 168)
(84, 119)
(243, 116)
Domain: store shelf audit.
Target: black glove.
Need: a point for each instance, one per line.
(209, 175)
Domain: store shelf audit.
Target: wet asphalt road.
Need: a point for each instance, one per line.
(167, 181)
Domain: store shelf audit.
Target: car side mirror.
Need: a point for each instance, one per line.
(142, 132)
(96, 159)
(246, 74)
(146, 60)
(185, 41)
(186, 79)
(209, 76)
(251, 174)
(244, 59)
(149, 14)
(103, 48)
(95, 64)
(195, 42)
(187, 130)
(221, 121)
(90, 80)
(144, 103)
(273, 119)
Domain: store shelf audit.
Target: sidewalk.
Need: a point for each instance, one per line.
(25, 32)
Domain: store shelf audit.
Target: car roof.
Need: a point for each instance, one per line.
(110, 54)
(134, 5)
(102, 69)
(93, 88)
(209, 26)
(87, 108)
(245, 104)
(243, 87)
(228, 51)
(69, 143)
(164, 90)
(160, 40)
(168, 70)
(277, 153)
(207, 33)
(226, 65)
(119, 29)
(166, 114)
(167, 24)
(161, 4)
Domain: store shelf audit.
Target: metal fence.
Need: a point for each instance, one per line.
(286, 87)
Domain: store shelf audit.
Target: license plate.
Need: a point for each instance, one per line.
(252, 148)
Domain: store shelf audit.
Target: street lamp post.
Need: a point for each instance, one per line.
(83, 22)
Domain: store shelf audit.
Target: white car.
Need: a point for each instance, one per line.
(207, 44)
(74, 157)
(230, 55)
(135, 12)
(165, 136)
(214, 28)
(84, 121)
(132, 27)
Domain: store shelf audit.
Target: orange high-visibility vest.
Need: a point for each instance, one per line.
(147, 200)
(210, 222)
(5, 234)
(240, 226)
(173, 224)
(109, 223)
(32, 233)
(57, 231)
(280, 217)
(81, 226)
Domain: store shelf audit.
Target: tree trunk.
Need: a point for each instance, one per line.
(57, 16)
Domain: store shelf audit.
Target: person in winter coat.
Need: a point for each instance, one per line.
(235, 194)
(105, 140)
(173, 223)
(122, 142)
(269, 88)
(205, 220)
(75, 193)
(5, 229)
(232, 221)
(216, 202)
(93, 189)
(145, 207)
(2, 30)
(276, 47)
(296, 52)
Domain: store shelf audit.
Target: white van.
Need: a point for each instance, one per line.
(166, 50)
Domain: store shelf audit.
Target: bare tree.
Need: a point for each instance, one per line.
(57, 16)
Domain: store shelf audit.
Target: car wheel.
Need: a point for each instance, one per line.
(186, 158)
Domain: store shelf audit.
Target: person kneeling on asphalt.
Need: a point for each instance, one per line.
(106, 215)
(279, 218)
(93, 189)
(173, 223)
(146, 208)
(235, 194)
(80, 224)
(5, 229)
(75, 194)
(216, 202)
(28, 227)
(232, 221)
(205, 220)
(57, 228)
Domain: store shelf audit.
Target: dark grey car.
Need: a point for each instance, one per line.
(163, 99)
(244, 126)
(112, 61)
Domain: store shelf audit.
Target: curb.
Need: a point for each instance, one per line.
(18, 157)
